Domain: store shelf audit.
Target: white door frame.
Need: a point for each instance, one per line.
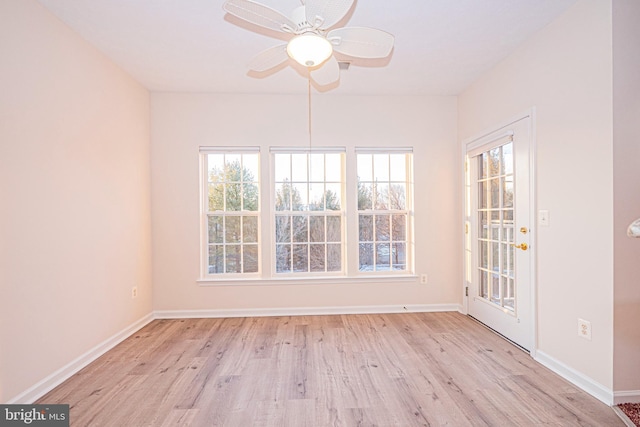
(531, 113)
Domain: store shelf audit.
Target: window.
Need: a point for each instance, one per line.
(383, 211)
(308, 212)
(232, 212)
(332, 212)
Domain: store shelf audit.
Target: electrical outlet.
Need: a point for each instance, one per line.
(423, 279)
(134, 292)
(584, 329)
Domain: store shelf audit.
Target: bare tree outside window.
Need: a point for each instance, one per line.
(308, 212)
(383, 183)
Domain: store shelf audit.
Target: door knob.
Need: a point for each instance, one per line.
(522, 246)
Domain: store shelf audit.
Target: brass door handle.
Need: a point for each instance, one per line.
(522, 246)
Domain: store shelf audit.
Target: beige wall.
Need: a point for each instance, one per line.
(565, 71)
(626, 152)
(183, 122)
(74, 208)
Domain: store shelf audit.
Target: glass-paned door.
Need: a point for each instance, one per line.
(498, 240)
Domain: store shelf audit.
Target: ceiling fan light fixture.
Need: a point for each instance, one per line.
(309, 50)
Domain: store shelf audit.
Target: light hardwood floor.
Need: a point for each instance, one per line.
(428, 369)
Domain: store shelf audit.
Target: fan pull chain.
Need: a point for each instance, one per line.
(309, 119)
(309, 98)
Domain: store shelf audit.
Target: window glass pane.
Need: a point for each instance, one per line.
(382, 227)
(251, 170)
(283, 197)
(383, 258)
(365, 170)
(317, 257)
(483, 163)
(316, 168)
(505, 260)
(233, 164)
(233, 259)
(495, 288)
(382, 196)
(216, 259)
(283, 229)
(495, 193)
(366, 228)
(250, 258)
(316, 229)
(299, 168)
(282, 167)
(250, 229)
(381, 167)
(509, 293)
(216, 230)
(398, 167)
(484, 284)
(250, 196)
(334, 228)
(507, 195)
(399, 227)
(283, 258)
(300, 258)
(397, 196)
(299, 229)
(232, 229)
(299, 197)
(334, 257)
(507, 158)
(484, 254)
(216, 197)
(494, 162)
(366, 256)
(365, 196)
(483, 195)
(215, 165)
(332, 197)
(234, 197)
(495, 225)
(484, 225)
(399, 256)
(333, 167)
(495, 257)
(316, 197)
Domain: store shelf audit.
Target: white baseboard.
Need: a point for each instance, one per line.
(626, 396)
(58, 377)
(578, 379)
(306, 311)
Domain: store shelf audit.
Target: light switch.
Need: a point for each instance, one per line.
(543, 218)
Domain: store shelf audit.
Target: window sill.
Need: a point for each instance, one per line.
(297, 281)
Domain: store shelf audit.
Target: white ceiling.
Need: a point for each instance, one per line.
(441, 46)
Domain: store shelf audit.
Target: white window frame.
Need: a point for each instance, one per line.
(204, 214)
(266, 274)
(408, 211)
(339, 213)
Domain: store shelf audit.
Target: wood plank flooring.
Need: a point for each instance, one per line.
(427, 369)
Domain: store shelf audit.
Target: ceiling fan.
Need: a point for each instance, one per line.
(312, 40)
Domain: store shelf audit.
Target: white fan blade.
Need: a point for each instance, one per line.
(330, 12)
(361, 42)
(268, 59)
(328, 73)
(259, 14)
